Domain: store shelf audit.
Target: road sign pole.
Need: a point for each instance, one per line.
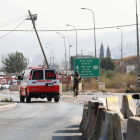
(91, 82)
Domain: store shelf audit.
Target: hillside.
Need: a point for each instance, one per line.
(132, 60)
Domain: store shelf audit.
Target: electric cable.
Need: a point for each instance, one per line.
(12, 22)
(74, 29)
(14, 19)
(13, 29)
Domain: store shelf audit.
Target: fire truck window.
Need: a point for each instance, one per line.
(37, 75)
(50, 74)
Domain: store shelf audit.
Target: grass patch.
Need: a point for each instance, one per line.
(111, 82)
(8, 99)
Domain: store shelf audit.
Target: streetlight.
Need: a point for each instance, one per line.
(76, 36)
(94, 28)
(65, 50)
(69, 51)
(121, 50)
(53, 53)
(50, 55)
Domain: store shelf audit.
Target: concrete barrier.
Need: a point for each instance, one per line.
(80, 87)
(96, 133)
(107, 126)
(133, 128)
(113, 105)
(99, 85)
(138, 110)
(91, 121)
(84, 117)
(111, 127)
(117, 132)
(14, 88)
(128, 109)
(61, 89)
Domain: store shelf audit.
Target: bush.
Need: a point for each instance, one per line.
(138, 90)
(103, 90)
(133, 73)
(129, 90)
(110, 73)
(8, 100)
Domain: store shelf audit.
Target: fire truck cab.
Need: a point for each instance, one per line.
(39, 83)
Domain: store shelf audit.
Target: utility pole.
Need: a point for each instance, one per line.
(38, 37)
(137, 34)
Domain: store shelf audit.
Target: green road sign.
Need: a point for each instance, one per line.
(87, 67)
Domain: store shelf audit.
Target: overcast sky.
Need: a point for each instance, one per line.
(54, 15)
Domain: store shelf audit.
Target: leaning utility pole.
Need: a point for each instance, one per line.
(38, 37)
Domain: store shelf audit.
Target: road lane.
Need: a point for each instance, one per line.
(41, 120)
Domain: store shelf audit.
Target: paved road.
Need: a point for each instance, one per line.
(46, 120)
(41, 120)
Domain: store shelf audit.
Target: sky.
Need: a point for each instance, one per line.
(53, 15)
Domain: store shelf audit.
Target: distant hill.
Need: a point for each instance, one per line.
(132, 60)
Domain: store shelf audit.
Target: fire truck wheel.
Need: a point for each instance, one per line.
(49, 98)
(28, 99)
(56, 99)
(22, 98)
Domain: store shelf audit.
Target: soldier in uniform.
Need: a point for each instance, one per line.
(76, 83)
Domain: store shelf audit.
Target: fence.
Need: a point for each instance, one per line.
(65, 80)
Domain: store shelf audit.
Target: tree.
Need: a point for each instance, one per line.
(108, 53)
(102, 51)
(15, 62)
(107, 63)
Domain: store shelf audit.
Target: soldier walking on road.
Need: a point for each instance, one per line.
(76, 83)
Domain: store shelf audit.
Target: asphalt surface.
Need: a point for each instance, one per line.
(41, 120)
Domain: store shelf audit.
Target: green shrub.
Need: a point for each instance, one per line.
(138, 90)
(110, 73)
(129, 90)
(133, 73)
(8, 99)
(103, 90)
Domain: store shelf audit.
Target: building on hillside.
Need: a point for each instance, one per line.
(101, 51)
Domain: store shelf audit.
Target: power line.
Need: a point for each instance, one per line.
(13, 29)
(74, 29)
(13, 19)
(13, 22)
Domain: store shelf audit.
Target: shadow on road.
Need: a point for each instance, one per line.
(67, 138)
(73, 126)
(70, 134)
(34, 102)
(67, 131)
